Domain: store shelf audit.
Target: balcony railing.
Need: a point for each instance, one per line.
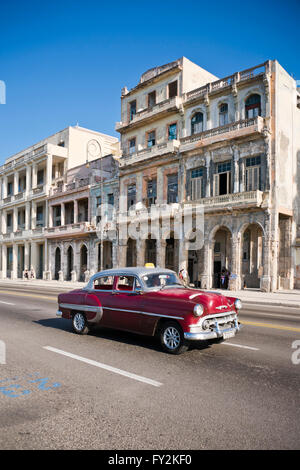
(67, 229)
(251, 198)
(171, 146)
(151, 112)
(258, 70)
(79, 183)
(245, 126)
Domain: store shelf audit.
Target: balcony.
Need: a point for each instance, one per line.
(73, 186)
(19, 196)
(172, 146)
(40, 189)
(218, 134)
(233, 201)
(147, 115)
(67, 230)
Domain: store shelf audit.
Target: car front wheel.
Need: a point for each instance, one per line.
(172, 339)
(80, 325)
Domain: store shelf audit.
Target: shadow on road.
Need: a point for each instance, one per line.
(146, 342)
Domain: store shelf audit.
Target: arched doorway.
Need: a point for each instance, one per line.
(252, 256)
(131, 253)
(150, 251)
(57, 263)
(222, 258)
(83, 261)
(70, 263)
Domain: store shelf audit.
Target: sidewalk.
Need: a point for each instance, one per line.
(65, 285)
(282, 298)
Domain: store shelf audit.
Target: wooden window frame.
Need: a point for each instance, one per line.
(170, 83)
(151, 93)
(146, 138)
(168, 130)
(128, 109)
(129, 140)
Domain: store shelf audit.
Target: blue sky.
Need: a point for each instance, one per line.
(66, 62)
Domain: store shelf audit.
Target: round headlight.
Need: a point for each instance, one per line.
(238, 304)
(198, 310)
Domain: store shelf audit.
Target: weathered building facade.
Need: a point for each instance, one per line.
(230, 145)
(45, 202)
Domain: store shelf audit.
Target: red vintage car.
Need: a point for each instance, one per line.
(151, 301)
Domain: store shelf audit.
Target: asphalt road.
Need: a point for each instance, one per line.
(120, 391)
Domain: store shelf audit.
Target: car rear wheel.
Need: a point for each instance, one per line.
(80, 325)
(172, 339)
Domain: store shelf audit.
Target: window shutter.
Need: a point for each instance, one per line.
(197, 188)
(216, 185)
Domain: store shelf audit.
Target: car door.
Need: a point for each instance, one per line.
(126, 304)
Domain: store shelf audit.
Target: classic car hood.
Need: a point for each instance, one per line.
(210, 300)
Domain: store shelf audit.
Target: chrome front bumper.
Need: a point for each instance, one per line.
(59, 314)
(217, 332)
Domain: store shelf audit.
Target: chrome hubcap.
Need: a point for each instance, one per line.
(172, 338)
(79, 321)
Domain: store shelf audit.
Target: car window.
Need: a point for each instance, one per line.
(125, 283)
(104, 283)
(161, 279)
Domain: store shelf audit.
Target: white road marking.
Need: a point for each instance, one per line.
(6, 303)
(106, 367)
(241, 346)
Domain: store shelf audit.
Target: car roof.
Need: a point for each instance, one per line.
(139, 271)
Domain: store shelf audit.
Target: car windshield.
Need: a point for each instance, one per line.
(160, 280)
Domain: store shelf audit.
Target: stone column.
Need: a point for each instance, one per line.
(15, 219)
(265, 280)
(122, 252)
(33, 258)
(242, 179)
(14, 272)
(75, 211)
(4, 261)
(46, 214)
(28, 179)
(47, 271)
(26, 255)
(236, 185)
(206, 276)
(27, 217)
(115, 263)
(140, 252)
(235, 275)
(62, 214)
(4, 191)
(4, 221)
(49, 173)
(50, 210)
(33, 215)
(208, 182)
(16, 182)
(274, 265)
(34, 175)
(161, 253)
